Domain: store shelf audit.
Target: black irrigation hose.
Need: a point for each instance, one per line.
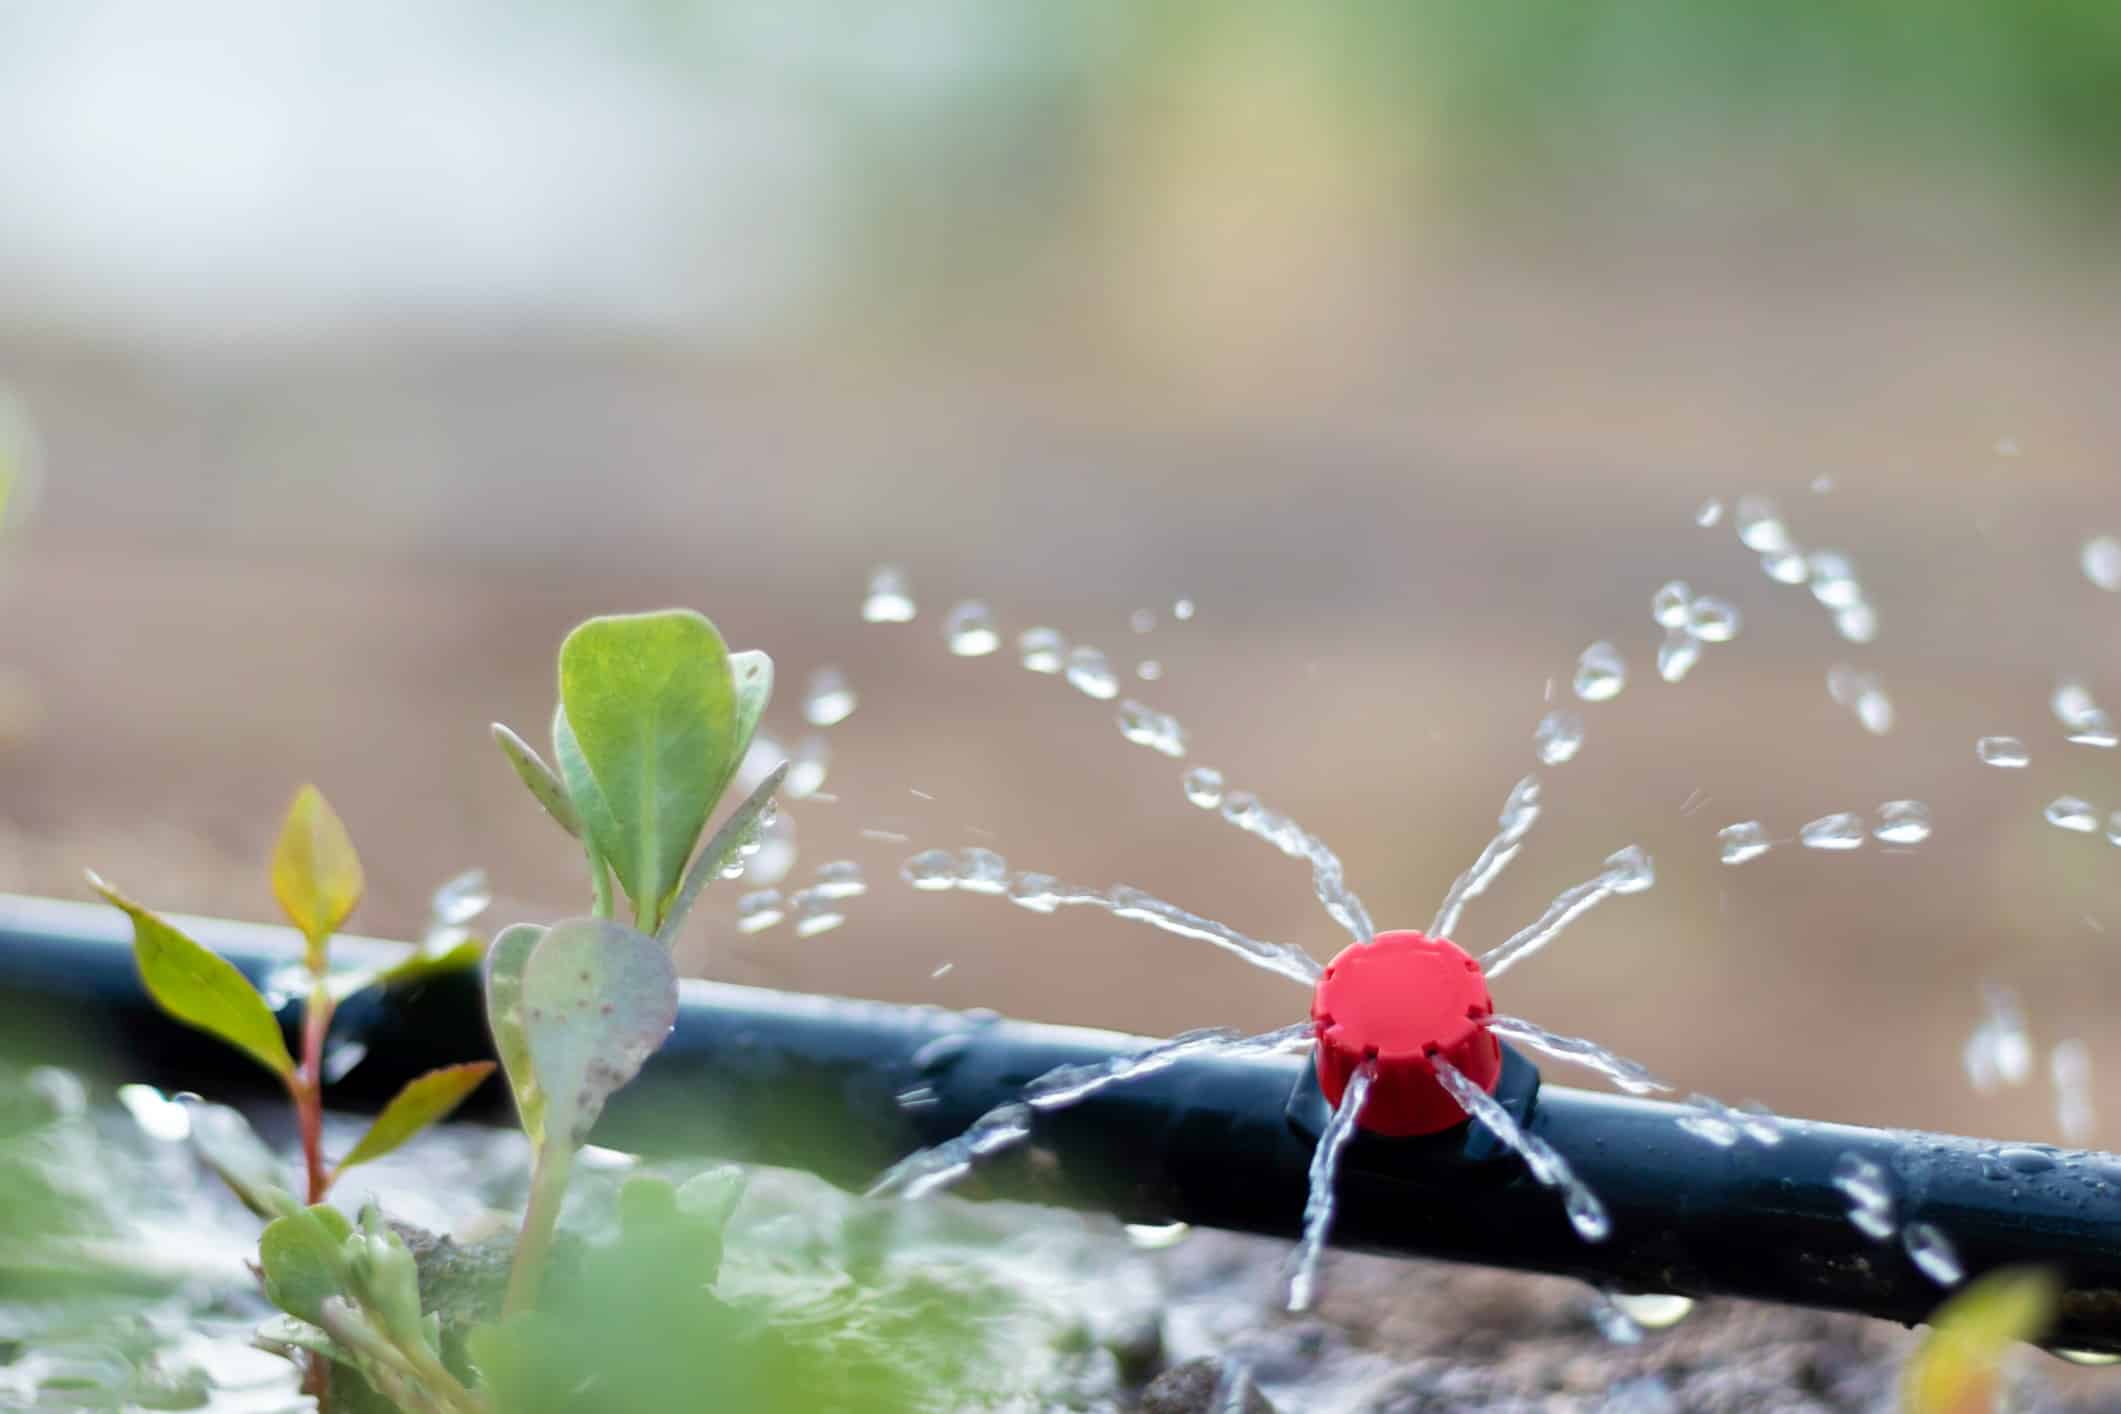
(844, 1088)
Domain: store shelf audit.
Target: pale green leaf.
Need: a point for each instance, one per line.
(739, 829)
(652, 705)
(1958, 1367)
(544, 783)
(598, 998)
(588, 800)
(201, 989)
(303, 1259)
(752, 672)
(233, 1150)
(315, 873)
(504, 1016)
(424, 1100)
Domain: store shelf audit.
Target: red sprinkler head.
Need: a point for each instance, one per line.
(1398, 998)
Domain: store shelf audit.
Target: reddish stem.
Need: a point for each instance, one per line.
(309, 1091)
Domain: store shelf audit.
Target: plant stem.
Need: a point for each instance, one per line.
(548, 1187)
(599, 881)
(309, 1089)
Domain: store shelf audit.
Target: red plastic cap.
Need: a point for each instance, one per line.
(1397, 998)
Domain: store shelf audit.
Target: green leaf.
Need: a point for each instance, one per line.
(752, 672)
(423, 1101)
(504, 1016)
(303, 1258)
(588, 801)
(738, 830)
(315, 873)
(598, 998)
(544, 783)
(1959, 1365)
(232, 1149)
(652, 706)
(201, 989)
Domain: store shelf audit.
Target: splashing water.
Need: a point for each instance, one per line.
(1600, 673)
(2069, 1066)
(1586, 1214)
(1628, 1075)
(1149, 670)
(2102, 562)
(840, 878)
(807, 766)
(936, 870)
(1325, 1171)
(890, 597)
(1145, 726)
(1072, 1083)
(2005, 751)
(1519, 813)
(1746, 840)
(2086, 722)
(1932, 1252)
(1089, 673)
(969, 630)
(1863, 694)
(1142, 620)
(1710, 512)
(1833, 579)
(1669, 605)
(1711, 1119)
(1328, 877)
(460, 900)
(1559, 736)
(1760, 526)
(1713, 621)
(1842, 830)
(1784, 566)
(2072, 813)
(1678, 654)
(1627, 871)
(816, 912)
(2000, 1050)
(930, 1171)
(1902, 822)
(1182, 610)
(1042, 650)
(1870, 1196)
(828, 700)
(1204, 787)
(759, 910)
(1616, 1325)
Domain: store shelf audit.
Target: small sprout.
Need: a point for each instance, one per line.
(1958, 1367)
(539, 777)
(302, 1256)
(422, 1102)
(200, 988)
(316, 875)
(741, 828)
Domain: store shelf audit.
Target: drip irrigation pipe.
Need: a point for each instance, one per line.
(845, 1088)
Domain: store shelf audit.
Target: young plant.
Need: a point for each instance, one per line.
(655, 715)
(316, 876)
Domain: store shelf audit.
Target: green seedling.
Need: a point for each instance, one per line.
(317, 878)
(1958, 1367)
(654, 717)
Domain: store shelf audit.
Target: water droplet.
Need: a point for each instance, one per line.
(1204, 787)
(1784, 566)
(2069, 812)
(1678, 654)
(1821, 485)
(2092, 1358)
(1903, 822)
(1858, 623)
(890, 597)
(1870, 1196)
(815, 912)
(1842, 830)
(2008, 447)
(1148, 670)
(1042, 650)
(2004, 751)
(1613, 1323)
(2080, 715)
(340, 1060)
(1864, 694)
(1760, 525)
(806, 768)
(1156, 1237)
(941, 972)
(1586, 1214)
(1145, 726)
(461, 899)
(759, 910)
(982, 871)
(932, 870)
(1038, 892)
(1629, 870)
(1559, 737)
(1710, 512)
(1713, 620)
(1142, 620)
(829, 700)
(1931, 1251)
(2102, 562)
(1670, 603)
(158, 1116)
(1833, 579)
(1654, 1310)
(1600, 673)
(772, 855)
(2113, 828)
(1182, 610)
(841, 878)
(1748, 839)
(1090, 674)
(969, 630)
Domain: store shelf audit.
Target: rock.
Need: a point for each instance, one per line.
(1196, 1388)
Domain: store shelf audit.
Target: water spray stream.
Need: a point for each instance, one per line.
(1628, 1075)
(1586, 1214)
(1325, 1169)
(1519, 813)
(1328, 877)
(1627, 871)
